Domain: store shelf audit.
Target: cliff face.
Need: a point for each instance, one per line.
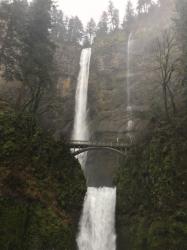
(60, 118)
(106, 105)
(68, 57)
(107, 102)
(107, 95)
(107, 87)
(108, 77)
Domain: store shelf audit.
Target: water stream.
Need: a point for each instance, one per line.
(80, 129)
(130, 123)
(97, 223)
(97, 227)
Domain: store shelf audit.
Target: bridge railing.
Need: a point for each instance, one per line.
(98, 143)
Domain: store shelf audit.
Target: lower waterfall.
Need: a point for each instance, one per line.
(97, 225)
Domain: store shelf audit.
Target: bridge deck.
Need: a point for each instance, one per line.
(86, 144)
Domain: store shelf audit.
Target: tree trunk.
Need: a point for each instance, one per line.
(172, 100)
(20, 97)
(165, 101)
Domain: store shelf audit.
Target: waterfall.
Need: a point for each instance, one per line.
(130, 123)
(97, 223)
(129, 108)
(80, 129)
(97, 227)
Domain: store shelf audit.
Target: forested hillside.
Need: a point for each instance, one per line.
(152, 180)
(41, 184)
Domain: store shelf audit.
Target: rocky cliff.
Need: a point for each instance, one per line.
(107, 95)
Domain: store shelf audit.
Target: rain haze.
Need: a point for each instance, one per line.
(85, 9)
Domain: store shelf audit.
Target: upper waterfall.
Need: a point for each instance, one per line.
(130, 123)
(129, 108)
(80, 129)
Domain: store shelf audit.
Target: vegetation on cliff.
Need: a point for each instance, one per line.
(151, 211)
(42, 187)
(151, 190)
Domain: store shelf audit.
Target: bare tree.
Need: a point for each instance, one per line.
(165, 66)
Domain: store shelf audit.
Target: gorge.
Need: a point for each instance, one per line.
(97, 224)
(111, 83)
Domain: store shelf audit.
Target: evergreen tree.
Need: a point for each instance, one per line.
(110, 14)
(110, 9)
(143, 6)
(91, 29)
(59, 29)
(75, 30)
(102, 27)
(129, 17)
(13, 19)
(38, 61)
(113, 17)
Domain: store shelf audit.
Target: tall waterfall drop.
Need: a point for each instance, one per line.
(130, 123)
(97, 224)
(80, 129)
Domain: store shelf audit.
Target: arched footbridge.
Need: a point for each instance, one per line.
(79, 147)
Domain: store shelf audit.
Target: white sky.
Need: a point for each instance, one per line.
(85, 9)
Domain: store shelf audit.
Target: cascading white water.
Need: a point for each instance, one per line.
(97, 224)
(80, 129)
(130, 123)
(129, 108)
(97, 227)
